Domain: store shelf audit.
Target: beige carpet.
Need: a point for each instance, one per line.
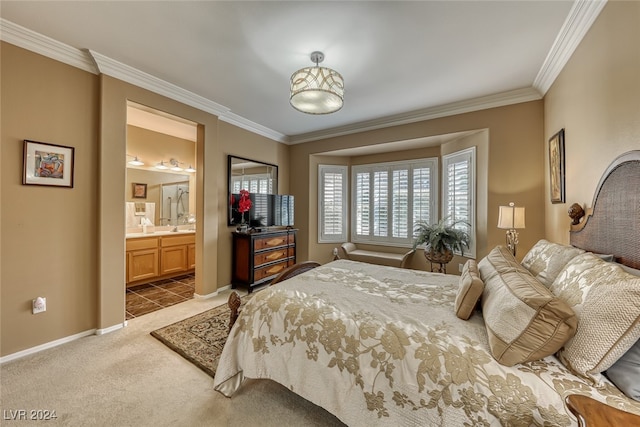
(129, 378)
(200, 338)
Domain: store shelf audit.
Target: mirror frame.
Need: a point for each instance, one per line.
(230, 158)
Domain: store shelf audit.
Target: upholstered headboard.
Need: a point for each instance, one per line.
(612, 225)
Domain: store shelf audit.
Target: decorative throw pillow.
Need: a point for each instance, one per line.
(469, 291)
(625, 373)
(524, 320)
(606, 300)
(546, 259)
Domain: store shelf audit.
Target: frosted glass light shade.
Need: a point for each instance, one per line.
(136, 161)
(511, 217)
(317, 90)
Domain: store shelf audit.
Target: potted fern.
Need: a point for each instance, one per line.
(441, 239)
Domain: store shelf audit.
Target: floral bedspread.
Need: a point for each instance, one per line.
(378, 345)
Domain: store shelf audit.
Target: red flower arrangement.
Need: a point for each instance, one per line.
(244, 203)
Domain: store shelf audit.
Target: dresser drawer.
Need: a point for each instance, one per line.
(274, 255)
(166, 241)
(142, 243)
(271, 269)
(272, 242)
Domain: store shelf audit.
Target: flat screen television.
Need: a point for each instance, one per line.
(267, 210)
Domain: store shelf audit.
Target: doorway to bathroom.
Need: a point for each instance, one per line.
(160, 210)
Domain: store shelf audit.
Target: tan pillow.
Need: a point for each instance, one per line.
(469, 291)
(545, 260)
(606, 300)
(524, 320)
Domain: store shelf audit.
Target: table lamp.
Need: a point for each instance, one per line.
(511, 218)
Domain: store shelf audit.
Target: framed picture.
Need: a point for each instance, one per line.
(139, 191)
(47, 164)
(556, 167)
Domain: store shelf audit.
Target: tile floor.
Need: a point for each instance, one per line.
(154, 296)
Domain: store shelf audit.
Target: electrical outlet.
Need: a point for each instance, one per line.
(39, 305)
(460, 267)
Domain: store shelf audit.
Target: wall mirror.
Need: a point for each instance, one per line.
(251, 175)
(166, 201)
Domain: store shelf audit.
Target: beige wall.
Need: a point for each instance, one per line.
(596, 99)
(510, 167)
(49, 234)
(241, 143)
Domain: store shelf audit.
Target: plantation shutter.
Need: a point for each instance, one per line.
(332, 205)
(390, 198)
(458, 189)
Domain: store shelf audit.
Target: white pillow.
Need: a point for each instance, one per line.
(606, 300)
(546, 259)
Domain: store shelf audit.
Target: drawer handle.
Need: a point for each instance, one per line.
(276, 268)
(275, 255)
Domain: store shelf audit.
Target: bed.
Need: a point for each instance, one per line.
(378, 345)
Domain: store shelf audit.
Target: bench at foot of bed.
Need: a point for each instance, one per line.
(374, 257)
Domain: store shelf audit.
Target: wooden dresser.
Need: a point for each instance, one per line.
(259, 257)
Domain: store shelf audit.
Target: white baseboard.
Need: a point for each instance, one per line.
(60, 341)
(211, 295)
(224, 288)
(111, 328)
(46, 346)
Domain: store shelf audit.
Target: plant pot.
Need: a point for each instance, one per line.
(438, 257)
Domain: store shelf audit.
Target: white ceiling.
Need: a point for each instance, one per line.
(400, 60)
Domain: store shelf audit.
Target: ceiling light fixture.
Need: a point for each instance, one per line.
(317, 90)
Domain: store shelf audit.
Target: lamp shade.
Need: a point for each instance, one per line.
(511, 217)
(317, 90)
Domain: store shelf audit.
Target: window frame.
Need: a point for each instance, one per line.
(343, 170)
(431, 162)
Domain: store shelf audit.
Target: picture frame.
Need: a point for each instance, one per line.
(557, 167)
(139, 191)
(47, 164)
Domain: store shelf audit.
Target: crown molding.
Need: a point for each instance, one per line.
(141, 79)
(45, 46)
(243, 123)
(128, 74)
(582, 15)
(482, 103)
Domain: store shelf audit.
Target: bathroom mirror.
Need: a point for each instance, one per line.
(167, 197)
(251, 175)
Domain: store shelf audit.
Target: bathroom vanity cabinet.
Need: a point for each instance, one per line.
(151, 258)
